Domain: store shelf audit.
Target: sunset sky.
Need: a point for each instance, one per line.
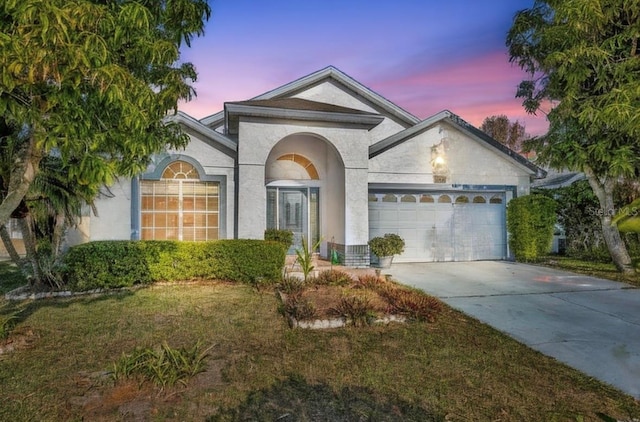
(423, 55)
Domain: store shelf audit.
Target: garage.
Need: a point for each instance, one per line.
(442, 226)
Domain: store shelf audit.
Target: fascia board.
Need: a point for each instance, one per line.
(206, 132)
(368, 121)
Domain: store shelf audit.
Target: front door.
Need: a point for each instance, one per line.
(292, 207)
(295, 209)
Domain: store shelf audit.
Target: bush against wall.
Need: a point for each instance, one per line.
(283, 236)
(112, 264)
(530, 222)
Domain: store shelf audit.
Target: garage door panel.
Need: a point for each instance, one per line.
(442, 231)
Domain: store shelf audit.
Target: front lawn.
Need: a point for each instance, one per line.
(259, 369)
(592, 268)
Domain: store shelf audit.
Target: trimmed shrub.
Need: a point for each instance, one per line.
(105, 264)
(283, 236)
(112, 264)
(530, 222)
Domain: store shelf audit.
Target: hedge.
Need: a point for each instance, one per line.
(530, 222)
(112, 264)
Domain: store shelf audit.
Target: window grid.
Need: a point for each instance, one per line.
(180, 208)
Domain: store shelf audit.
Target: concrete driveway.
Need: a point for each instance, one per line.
(588, 323)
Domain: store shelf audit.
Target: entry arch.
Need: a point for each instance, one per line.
(305, 174)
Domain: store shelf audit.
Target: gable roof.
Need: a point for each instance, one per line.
(465, 127)
(210, 136)
(329, 73)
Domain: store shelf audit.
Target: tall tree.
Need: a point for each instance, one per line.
(583, 60)
(500, 128)
(90, 82)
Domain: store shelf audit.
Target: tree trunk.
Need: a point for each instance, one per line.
(8, 245)
(58, 234)
(25, 165)
(603, 190)
(36, 280)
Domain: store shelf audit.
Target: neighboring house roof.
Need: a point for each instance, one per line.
(298, 109)
(558, 180)
(456, 121)
(329, 73)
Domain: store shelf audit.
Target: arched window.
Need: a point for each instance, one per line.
(462, 199)
(479, 200)
(426, 198)
(389, 198)
(179, 206)
(408, 198)
(496, 199)
(444, 199)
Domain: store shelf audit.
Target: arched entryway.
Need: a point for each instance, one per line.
(304, 177)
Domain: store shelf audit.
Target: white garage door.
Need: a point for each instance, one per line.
(445, 226)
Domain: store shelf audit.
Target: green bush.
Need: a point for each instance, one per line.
(283, 236)
(112, 264)
(105, 264)
(530, 222)
(388, 245)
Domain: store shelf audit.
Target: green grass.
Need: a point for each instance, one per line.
(10, 277)
(259, 369)
(591, 268)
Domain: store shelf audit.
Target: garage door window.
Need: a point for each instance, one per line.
(479, 200)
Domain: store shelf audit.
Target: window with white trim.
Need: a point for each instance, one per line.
(179, 206)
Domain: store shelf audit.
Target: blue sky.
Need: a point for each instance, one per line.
(425, 56)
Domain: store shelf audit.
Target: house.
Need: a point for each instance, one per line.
(331, 160)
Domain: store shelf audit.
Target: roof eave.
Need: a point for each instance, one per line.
(365, 121)
(196, 127)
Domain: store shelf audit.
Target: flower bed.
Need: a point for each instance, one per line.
(335, 299)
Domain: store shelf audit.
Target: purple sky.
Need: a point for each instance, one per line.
(423, 55)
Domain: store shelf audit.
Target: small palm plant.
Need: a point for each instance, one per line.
(305, 257)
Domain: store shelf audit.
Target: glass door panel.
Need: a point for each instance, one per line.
(293, 215)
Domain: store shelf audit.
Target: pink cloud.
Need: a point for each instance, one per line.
(474, 89)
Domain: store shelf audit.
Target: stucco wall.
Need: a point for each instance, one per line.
(469, 161)
(113, 221)
(330, 93)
